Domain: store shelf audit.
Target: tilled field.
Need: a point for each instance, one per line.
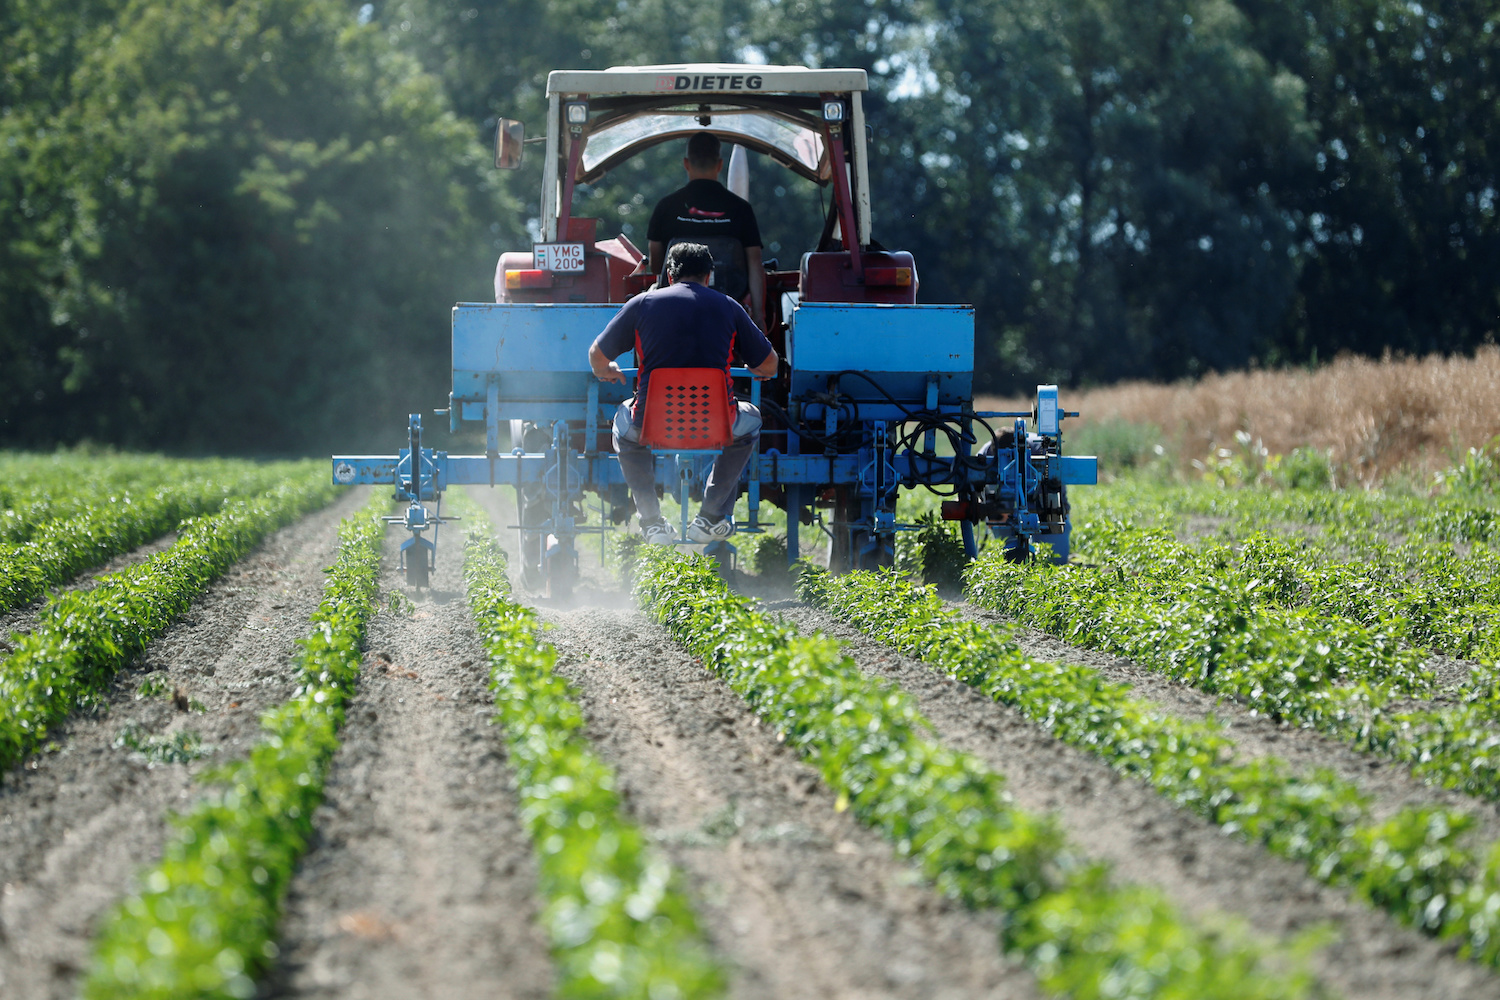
(77, 823)
(421, 879)
(1149, 841)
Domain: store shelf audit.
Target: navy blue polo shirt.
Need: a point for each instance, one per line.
(685, 325)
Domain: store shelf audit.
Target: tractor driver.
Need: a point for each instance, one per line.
(684, 324)
(706, 212)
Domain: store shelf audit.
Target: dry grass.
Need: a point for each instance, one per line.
(1374, 418)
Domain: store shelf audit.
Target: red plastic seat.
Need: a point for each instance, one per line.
(687, 409)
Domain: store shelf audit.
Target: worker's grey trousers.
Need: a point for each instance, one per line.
(639, 465)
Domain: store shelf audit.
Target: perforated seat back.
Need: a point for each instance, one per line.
(687, 409)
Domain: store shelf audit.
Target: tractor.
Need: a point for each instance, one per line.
(875, 392)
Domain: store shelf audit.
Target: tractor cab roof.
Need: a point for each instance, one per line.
(703, 78)
(775, 110)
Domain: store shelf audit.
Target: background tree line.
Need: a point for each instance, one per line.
(237, 225)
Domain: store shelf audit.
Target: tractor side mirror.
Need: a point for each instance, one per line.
(510, 138)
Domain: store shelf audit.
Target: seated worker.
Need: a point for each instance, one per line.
(706, 212)
(684, 324)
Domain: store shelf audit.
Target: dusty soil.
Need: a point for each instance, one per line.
(421, 881)
(78, 822)
(798, 898)
(802, 899)
(1150, 841)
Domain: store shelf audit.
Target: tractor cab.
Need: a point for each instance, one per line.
(809, 121)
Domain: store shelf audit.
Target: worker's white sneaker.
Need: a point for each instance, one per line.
(658, 532)
(704, 530)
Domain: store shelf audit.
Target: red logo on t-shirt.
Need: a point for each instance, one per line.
(706, 215)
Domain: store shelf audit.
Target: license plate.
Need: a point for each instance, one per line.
(563, 257)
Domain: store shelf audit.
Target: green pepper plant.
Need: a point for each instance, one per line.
(203, 922)
(84, 636)
(619, 923)
(1084, 936)
(60, 549)
(1167, 607)
(1413, 864)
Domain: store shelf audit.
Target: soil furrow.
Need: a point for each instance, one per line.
(420, 881)
(802, 900)
(1150, 841)
(79, 821)
(1453, 674)
(799, 899)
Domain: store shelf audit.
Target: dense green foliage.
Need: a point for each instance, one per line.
(203, 924)
(1399, 218)
(112, 523)
(82, 637)
(1381, 562)
(1413, 863)
(1207, 630)
(1205, 618)
(231, 225)
(946, 810)
(619, 925)
(37, 489)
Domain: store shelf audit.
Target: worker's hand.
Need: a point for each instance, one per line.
(767, 369)
(610, 374)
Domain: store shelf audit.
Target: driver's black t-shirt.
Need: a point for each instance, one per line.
(701, 209)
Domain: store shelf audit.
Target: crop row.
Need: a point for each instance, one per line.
(62, 548)
(37, 489)
(29, 476)
(1437, 597)
(1332, 526)
(1167, 606)
(84, 636)
(1412, 864)
(1440, 518)
(1445, 601)
(618, 924)
(204, 921)
(1430, 597)
(29, 503)
(1296, 665)
(1443, 597)
(1083, 936)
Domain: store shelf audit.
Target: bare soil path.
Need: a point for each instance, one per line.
(1150, 841)
(77, 823)
(799, 899)
(420, 881)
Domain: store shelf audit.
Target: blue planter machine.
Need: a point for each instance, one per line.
(879, 398)
(875, 392)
